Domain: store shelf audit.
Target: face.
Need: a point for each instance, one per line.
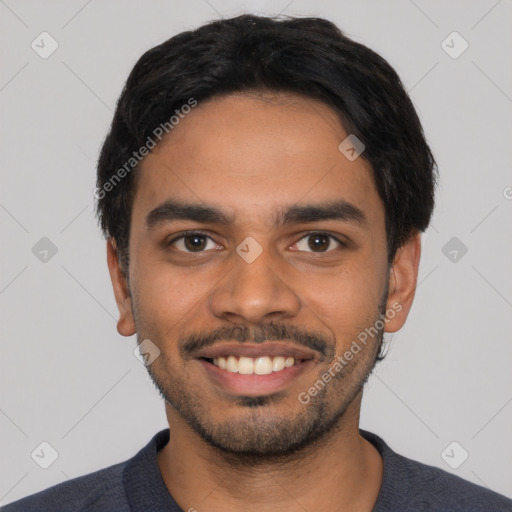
(257, 259)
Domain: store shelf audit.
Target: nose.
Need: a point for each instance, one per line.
(254, 292)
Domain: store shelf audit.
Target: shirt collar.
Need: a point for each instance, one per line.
(145, 488)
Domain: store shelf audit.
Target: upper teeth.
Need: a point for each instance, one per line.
(249, 365)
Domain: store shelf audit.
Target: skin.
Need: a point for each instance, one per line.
(252, 155)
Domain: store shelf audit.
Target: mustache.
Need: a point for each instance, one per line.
(190, 344)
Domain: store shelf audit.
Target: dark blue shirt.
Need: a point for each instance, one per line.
(137, 485)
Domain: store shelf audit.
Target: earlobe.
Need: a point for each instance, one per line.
(126, 322)
(403, 276)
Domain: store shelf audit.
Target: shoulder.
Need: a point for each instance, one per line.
(417, 486)
(98, 491)
(437, 488)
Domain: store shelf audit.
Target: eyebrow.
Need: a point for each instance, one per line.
(173, 210)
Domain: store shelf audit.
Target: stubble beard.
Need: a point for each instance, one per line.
(260, 434)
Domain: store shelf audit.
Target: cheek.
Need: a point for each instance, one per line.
(165, 298)
(346, 301)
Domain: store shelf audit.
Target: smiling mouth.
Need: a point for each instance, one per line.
(252, 369)
(253, 376)
(263, 365)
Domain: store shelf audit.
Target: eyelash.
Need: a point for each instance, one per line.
(312, 233)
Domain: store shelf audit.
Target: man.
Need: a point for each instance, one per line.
(263, 188)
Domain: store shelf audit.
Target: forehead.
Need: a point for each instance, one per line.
(252, 154)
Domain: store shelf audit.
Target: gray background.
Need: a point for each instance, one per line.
(69, 379)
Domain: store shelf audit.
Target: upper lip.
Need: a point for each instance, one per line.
(259, 350)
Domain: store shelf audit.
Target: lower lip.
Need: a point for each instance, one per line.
(254, 385)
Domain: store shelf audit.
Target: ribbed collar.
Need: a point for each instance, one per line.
(146, 490)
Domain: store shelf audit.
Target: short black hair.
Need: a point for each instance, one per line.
(307, 56)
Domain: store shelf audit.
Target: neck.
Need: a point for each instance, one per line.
(342, 471)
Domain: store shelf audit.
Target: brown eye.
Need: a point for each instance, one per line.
(193, 242)
(318, 242)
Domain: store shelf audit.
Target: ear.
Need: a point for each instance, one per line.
(126, 322)
(403, 276)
